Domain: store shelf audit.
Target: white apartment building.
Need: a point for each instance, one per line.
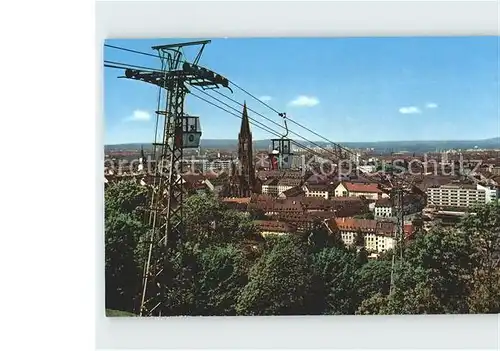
(270, 187)
(368, 190)
(461, 195)
(378, 236)
(274, 228)
(287, 183)
(383, 208)
(276, 187)
(326, 191)
(491, 193)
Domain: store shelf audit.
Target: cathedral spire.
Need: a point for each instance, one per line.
(245, 124)
(142, 160)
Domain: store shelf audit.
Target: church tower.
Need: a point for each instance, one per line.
(245, 157)
(142, 161)
(242, 181)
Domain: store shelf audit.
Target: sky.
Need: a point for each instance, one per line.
(345, 89)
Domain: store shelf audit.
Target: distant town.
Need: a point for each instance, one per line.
(299, 224)
(313, 186)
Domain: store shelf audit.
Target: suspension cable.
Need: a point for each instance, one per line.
(254, 97)
(268, 106)
(254, 123)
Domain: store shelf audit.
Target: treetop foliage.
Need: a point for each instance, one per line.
(224, 267)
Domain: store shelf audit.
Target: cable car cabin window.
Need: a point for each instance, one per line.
(191, 124)
(191, 132)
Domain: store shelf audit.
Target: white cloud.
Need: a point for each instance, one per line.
(409, 110)
(139, 115)
(431, 105)
(306, 101)
(265, 98)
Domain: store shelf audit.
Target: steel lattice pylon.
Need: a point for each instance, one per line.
(164, 210)
(165, 207)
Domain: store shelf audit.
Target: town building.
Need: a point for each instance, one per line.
(267, 228)
(326, 191)
(383, 208)
(243, 182)
(370, 191)
(378, 236)
(287, 183)
(270, 187)
(291, 193)
(461, 195)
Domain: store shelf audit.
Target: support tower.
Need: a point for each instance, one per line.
(174, 131)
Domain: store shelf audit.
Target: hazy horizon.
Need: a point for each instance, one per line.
(427, 89)
(337, 142)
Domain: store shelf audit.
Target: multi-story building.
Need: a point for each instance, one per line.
(285, 184)
(461, 195)
(270, 187)
(326, 191)
(378, 236)
(292, 193)
(495, 170)
(267, 228)
(368, 190)
(383, 208)
(491, 193)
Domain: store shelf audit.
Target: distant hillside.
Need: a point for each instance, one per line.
(381, 146)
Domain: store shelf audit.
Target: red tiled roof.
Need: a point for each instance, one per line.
(270, 181)
(275, 226)
(239, 200)
(408, 229)
(319, 187)
(294, 192)
(365, 225)
(193, 178)
(383, 202)
(290, 182)
(362, 187)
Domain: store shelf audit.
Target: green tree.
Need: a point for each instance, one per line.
(234, 227)
(362, 256)
(319, 237)
(334, 284)
(257, 214)
(123, 229)
(483, 227)
(418, 223)
(375, 304)
(485, 294)
(201, 214)
(280, 281)
(125, 197)
(359, 239)
(414, 292)
(180, 273)
(208, 221)
(372, 278)
(443, 260)
(122, 269)
(223, 274)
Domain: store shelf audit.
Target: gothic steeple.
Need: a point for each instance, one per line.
(245, 156)
(142, 160)
(245, 124)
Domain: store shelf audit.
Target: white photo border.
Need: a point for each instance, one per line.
(272, 19)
